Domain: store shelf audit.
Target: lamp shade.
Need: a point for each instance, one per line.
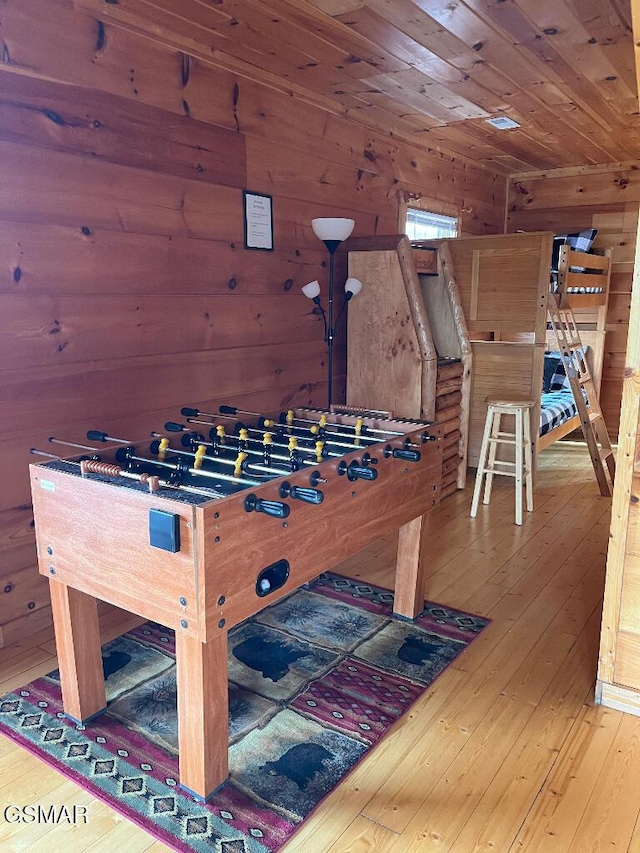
(332, 229)
(353, 286)
(312, 289)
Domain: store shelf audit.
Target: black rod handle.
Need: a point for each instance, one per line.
(357, 472)
(96, 435)
(407, 455)
(172, 426)
(189, 413)
(191, 439)
(298, 493)
(361, 472)
(309, 496)
(228, 410)
(277, 509)
(124, 454)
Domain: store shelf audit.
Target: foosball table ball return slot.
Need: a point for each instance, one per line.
(272, 578)
(200, 536)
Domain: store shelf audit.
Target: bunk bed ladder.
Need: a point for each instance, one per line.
(584, 393)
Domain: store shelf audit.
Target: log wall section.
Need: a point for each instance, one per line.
(125, 290)
(606, 198)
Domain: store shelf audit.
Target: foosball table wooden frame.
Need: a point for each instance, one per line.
(93, 543)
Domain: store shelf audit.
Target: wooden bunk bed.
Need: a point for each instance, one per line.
(504, 286)
(584, 277)
(503, 281)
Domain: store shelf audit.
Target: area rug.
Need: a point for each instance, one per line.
(315, 681)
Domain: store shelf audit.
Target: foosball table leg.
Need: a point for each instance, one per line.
(203, 713)
(75, 617)
(410, 571)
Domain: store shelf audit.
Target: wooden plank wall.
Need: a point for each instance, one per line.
(125, 290)
(618, 684)
(606, 198)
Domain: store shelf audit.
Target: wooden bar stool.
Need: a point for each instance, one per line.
(520, 440)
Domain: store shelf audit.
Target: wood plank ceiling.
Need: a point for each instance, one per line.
(430, 71)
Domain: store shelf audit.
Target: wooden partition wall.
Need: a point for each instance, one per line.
(392, 359)
(125, 289)
(504, 283)
(408, 346)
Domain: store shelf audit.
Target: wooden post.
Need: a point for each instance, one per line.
(410, 571)
(203, 713)
(453, 293)
(75, 616)
(421, 324)
(623, 566)
(519, 463)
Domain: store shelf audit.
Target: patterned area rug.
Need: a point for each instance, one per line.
(315, 681)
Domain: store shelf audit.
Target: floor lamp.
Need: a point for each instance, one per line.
(332, 232)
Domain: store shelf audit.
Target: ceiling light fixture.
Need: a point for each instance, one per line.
(502, 122)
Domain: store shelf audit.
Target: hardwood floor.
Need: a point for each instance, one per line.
(506, 752)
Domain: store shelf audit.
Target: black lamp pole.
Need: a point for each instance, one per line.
(332, 246)
(332, 231)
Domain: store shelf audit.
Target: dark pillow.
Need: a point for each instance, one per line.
(552, 362)
(559, 380)
(581, 241)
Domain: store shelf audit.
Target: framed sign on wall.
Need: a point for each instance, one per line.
(258, 221)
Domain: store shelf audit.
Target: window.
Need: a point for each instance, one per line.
(424, 225)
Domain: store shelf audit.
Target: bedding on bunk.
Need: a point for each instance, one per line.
(557, 404)
(556, 407)
(580, 241)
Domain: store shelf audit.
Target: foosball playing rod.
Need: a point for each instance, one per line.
(55, 440)
(231, 410)
(355, 411)
(93, 466)
(358, 411)
(280, 440)
(189, 439)
(383, 432)
(170, 426)
(268, 423)
(226, 412)
(194, 472)
(222, 460)
(279, 437)
(97, 435)
(356, 440)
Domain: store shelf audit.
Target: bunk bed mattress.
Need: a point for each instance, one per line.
(556, 408)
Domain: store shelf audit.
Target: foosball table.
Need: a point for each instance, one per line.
(213, 520)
